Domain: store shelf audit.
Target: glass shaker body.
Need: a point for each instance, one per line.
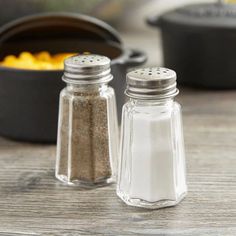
(152, 157)
(87, 144)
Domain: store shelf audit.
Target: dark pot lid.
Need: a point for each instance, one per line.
(58, 26)
(218, 15)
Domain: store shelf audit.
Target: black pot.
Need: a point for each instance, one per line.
(199, 43)
(29, 99)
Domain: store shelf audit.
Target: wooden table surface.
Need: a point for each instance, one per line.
(33, 202)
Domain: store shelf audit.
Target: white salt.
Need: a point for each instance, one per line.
(152, 162)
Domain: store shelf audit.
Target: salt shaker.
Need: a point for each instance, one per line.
(87, 143)
(152, 165)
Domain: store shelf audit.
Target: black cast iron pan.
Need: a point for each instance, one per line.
(199, 43)
(29, 99)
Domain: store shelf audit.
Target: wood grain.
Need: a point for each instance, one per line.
(33, 202)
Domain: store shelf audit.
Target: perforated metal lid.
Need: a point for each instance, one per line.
(151, 83)
(87, 69)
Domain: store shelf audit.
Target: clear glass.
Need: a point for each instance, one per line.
(152, 157)
(87, 143)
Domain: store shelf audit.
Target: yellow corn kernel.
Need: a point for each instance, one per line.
(43, 56)
(26, 56)
(39, 61)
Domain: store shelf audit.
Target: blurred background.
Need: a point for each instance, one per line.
(193, 37)
(125, 15)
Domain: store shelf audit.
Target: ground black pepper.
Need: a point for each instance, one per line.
(84, 141)
(87, 144)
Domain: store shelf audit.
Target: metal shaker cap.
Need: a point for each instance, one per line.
(84, 69)
(151, 83)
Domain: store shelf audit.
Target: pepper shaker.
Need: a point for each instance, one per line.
(152, 163)
(87, 144)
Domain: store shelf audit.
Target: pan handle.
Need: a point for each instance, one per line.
(153, 21)
(135, 58)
